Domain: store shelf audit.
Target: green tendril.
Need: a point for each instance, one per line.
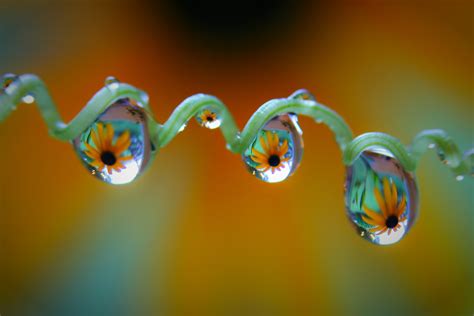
(300, 102)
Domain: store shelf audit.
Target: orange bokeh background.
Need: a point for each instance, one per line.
(197, 234)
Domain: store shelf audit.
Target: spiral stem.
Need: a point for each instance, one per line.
(300, 102)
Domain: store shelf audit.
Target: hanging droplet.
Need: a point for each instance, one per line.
(28, 99)
(459, 177)
(112, 82)
(431, 146)
(116, 148)
(276, 151)
(183, 127)
(208, 119)
(381, 197)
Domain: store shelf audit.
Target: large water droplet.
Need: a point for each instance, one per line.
(276, 151)
(208, 119)
(116, 148)
(381, 197)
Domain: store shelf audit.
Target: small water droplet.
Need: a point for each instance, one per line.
(276, 151)
(431, 146)
(373, 179)
(459, 177)
(116, 148)
(209, 119)
(28, 99)
(441, 155)
(7, 80)
(182, 127)
(303, 94)
(319, 120)
(112, 82)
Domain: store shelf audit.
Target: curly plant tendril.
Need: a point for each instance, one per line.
(301, 102)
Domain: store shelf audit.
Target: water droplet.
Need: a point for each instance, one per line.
(208, 119)
(431, 146)
(116, 148)
(7, 79)
(381, 197)
(112, 82)
(442, 156)
(182, 127)
(303, 94)
(319, 120)
(459, 177)
(276, 151)
(28, 99)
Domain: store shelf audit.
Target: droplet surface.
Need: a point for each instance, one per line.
(183, 127)
(116, 148)
(28, 99)
(208, 119)
(381, 197)
(112, 82)
(276, 151)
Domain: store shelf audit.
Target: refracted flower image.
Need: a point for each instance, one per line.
(106, 153)
(273, 155)
(116, 147)
(391, 209)
(276, 151)
(208, 118)
(381, 197)
(208, 115)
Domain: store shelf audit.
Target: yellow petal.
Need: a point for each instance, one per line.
(90, 148)
(93, 155)
(376, 229)
(275, 142)
(256, 153)
(380, 201)
(402, 206)
(263, 144)
(125, 158)
(123, 139)
(284, 148)
(393, 205)
(370, 221)
(387, 194)
(379, 219)
(96, 140)
(108, 136)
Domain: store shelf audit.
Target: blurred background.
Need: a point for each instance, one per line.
(197, 234)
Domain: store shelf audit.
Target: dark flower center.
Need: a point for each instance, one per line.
(273, 160)
(392, 221)
(108, 158)
(209, 118)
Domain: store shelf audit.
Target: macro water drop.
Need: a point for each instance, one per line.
(112, 82)
(277, 149)
(381, 197)
(208, 119)
(116, 148)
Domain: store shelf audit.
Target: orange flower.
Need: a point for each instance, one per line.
(391, 210)
(273, 155)
(106, 154)
(207, 116)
